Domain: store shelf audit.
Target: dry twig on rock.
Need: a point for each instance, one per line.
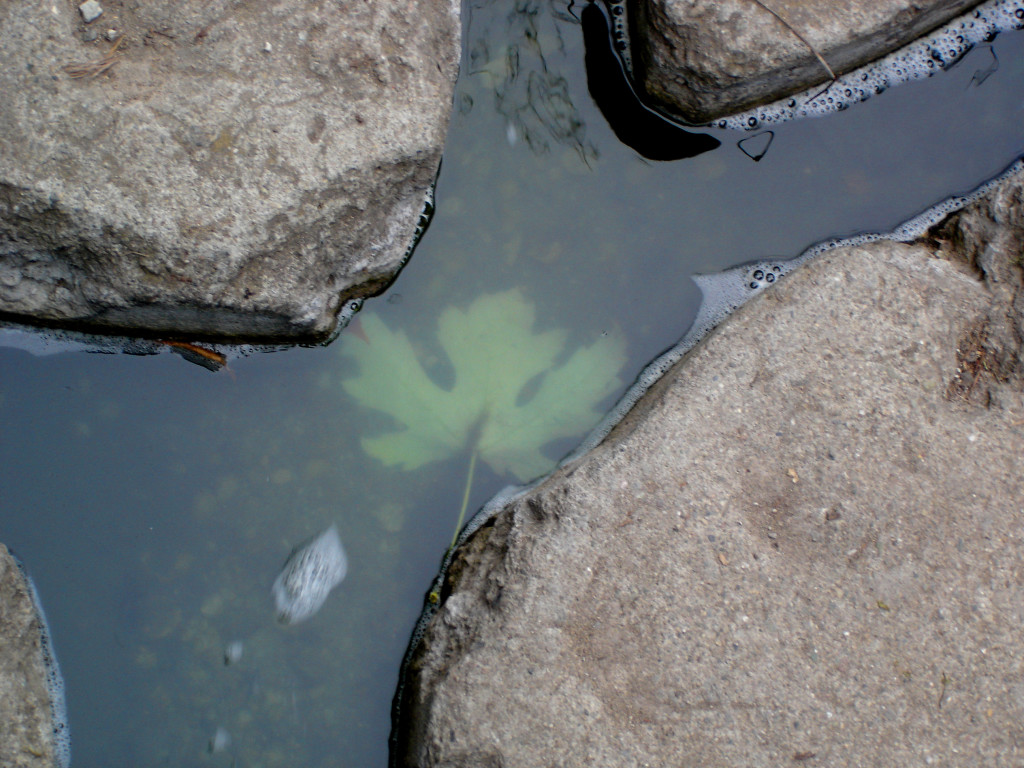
(95, 68)
(801, 38)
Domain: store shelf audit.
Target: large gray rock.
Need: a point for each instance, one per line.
(26, 727)
(243, 168)
(805, 543)
(703, 59)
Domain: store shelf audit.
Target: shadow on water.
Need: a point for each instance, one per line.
(635, 125)
(530, 88)
(155, 502)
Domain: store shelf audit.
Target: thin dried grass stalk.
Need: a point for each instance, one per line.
(801, 38)
(95, 68)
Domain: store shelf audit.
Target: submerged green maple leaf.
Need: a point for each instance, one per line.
(495, 354)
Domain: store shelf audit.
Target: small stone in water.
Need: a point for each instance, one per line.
(308, 576)
(90, 10)
(233, 652)
(221, 741)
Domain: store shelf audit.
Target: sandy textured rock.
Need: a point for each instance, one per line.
(26, 730)
(240, 168)
(806, 543)
(704, 59)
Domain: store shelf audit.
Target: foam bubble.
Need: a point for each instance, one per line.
(620, 33)
(422, 223)
(345, 315)
(723, 293)
(923, 58)
(40, 342)
(54, 678)
(352, 306)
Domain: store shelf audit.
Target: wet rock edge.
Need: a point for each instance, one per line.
(976, 230)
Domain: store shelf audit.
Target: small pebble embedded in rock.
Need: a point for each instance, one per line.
(90, 10)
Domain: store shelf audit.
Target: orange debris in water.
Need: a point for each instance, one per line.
(208, 358)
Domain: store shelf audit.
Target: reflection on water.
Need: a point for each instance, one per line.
(519, 54)
(156, 501)
(635, 125)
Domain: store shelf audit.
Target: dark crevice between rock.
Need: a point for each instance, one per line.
(635, 125)
(982, 364)
(478, 554)
(988, 239)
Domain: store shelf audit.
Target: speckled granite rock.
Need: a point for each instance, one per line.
(225, 168)
(703, 59)
(805, 544)
(26, 729)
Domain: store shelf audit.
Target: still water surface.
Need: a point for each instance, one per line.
(155, 502)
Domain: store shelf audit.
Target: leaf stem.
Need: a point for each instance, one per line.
(465, 496)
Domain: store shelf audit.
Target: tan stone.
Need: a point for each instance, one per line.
(223, 168)
(805, 543)
(26, 728)
(704, 59)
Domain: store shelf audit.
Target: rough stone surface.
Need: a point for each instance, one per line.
(805, 545)
(26, 729)
(239, 168)
(703, 59)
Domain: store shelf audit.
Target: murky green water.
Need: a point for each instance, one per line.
(155, 502)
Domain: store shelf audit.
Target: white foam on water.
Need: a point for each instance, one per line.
(923, 58)
(932, 54)
(620, 33)
(38, 344)
(54, 678)
(723, 293)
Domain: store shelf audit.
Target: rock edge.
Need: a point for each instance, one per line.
(236, 171)
(803, 543)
